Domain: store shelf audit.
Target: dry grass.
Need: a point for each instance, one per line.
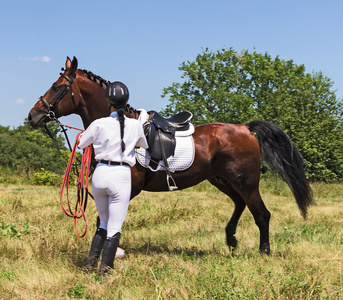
(175, 245)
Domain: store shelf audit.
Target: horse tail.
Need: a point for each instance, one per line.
(279, 152)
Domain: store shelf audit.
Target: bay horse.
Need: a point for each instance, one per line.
(227, 155)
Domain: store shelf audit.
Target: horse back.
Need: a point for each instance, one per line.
(226, 137)
(226, 145)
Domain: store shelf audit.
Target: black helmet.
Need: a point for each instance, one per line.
(117, 93)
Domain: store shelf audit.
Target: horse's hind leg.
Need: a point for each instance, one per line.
(240, 205)
(261, 215)
(242, 197)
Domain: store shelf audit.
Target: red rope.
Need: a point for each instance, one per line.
(82, 186)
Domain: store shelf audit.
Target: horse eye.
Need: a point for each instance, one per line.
(55, 88)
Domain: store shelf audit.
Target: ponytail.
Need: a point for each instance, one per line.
(121, 122)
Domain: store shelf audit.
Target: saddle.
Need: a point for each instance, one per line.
(160, 133)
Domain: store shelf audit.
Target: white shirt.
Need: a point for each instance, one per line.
(104, 134)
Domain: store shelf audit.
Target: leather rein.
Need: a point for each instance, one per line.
(85, 164)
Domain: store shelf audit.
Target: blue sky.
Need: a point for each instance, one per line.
(142, 43)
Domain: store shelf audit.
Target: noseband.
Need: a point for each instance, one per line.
(50, 107)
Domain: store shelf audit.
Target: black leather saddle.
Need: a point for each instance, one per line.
(160, 133)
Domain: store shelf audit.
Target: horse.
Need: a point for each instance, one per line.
(227, 155)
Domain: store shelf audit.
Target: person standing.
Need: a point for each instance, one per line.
(114, 140)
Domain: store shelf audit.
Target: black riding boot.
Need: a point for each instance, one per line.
(96, 247)
(109, 253)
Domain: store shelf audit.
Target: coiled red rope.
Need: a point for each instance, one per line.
(82, 186)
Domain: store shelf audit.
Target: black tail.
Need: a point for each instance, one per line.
(281, 155)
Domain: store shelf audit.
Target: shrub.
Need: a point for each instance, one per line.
(46, 178)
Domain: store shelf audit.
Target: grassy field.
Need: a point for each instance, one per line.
(175, 246)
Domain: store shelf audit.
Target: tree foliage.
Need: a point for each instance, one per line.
(227, 86)
(26, 149)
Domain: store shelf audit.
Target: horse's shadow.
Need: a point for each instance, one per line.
(149, 248)
(186, 253)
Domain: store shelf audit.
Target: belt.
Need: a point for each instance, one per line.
(114, 163)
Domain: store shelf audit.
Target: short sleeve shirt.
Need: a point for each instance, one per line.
(104, 134)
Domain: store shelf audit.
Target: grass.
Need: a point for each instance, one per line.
(175, 246)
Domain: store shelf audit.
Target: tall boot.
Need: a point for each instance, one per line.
(96, 247)
(108, 253)
(120, 252)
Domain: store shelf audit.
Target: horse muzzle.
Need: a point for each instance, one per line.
(38, 118)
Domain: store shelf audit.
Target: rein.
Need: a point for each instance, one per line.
(82, 186)
(83, 174)
(64, 132)
(83, 178)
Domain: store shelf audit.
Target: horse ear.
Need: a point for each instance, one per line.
(74, 64)
(68, 63)
(71, 65)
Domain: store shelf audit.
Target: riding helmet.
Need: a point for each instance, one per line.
(117, 93)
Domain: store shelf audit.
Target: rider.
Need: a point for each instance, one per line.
(114, 140)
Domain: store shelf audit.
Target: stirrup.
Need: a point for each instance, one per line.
(172, 187)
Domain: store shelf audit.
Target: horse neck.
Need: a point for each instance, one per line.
(93, 104)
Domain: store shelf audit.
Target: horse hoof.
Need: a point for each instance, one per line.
(265, 248)
(231, 242)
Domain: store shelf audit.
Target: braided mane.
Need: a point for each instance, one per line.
(130, 109)
(99, 80)
(103, 83)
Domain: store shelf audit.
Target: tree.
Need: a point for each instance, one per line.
(227, 86)
(24, 148)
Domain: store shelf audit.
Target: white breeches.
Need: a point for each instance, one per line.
(111, 188)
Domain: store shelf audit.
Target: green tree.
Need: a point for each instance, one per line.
(214, 89)
(24, 149)
(227, 86)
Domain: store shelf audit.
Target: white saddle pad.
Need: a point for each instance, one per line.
(180, 161)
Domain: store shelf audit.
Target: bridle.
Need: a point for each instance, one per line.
(50, 107)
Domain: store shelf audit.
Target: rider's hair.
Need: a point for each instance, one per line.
(122, 125)
(117, 94)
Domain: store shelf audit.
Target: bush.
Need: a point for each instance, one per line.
(46, 178)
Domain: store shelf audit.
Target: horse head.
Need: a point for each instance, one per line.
(50, 106)
(75, 92)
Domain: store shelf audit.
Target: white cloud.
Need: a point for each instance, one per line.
(20, 101)
(46, 58)
(38, 58)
